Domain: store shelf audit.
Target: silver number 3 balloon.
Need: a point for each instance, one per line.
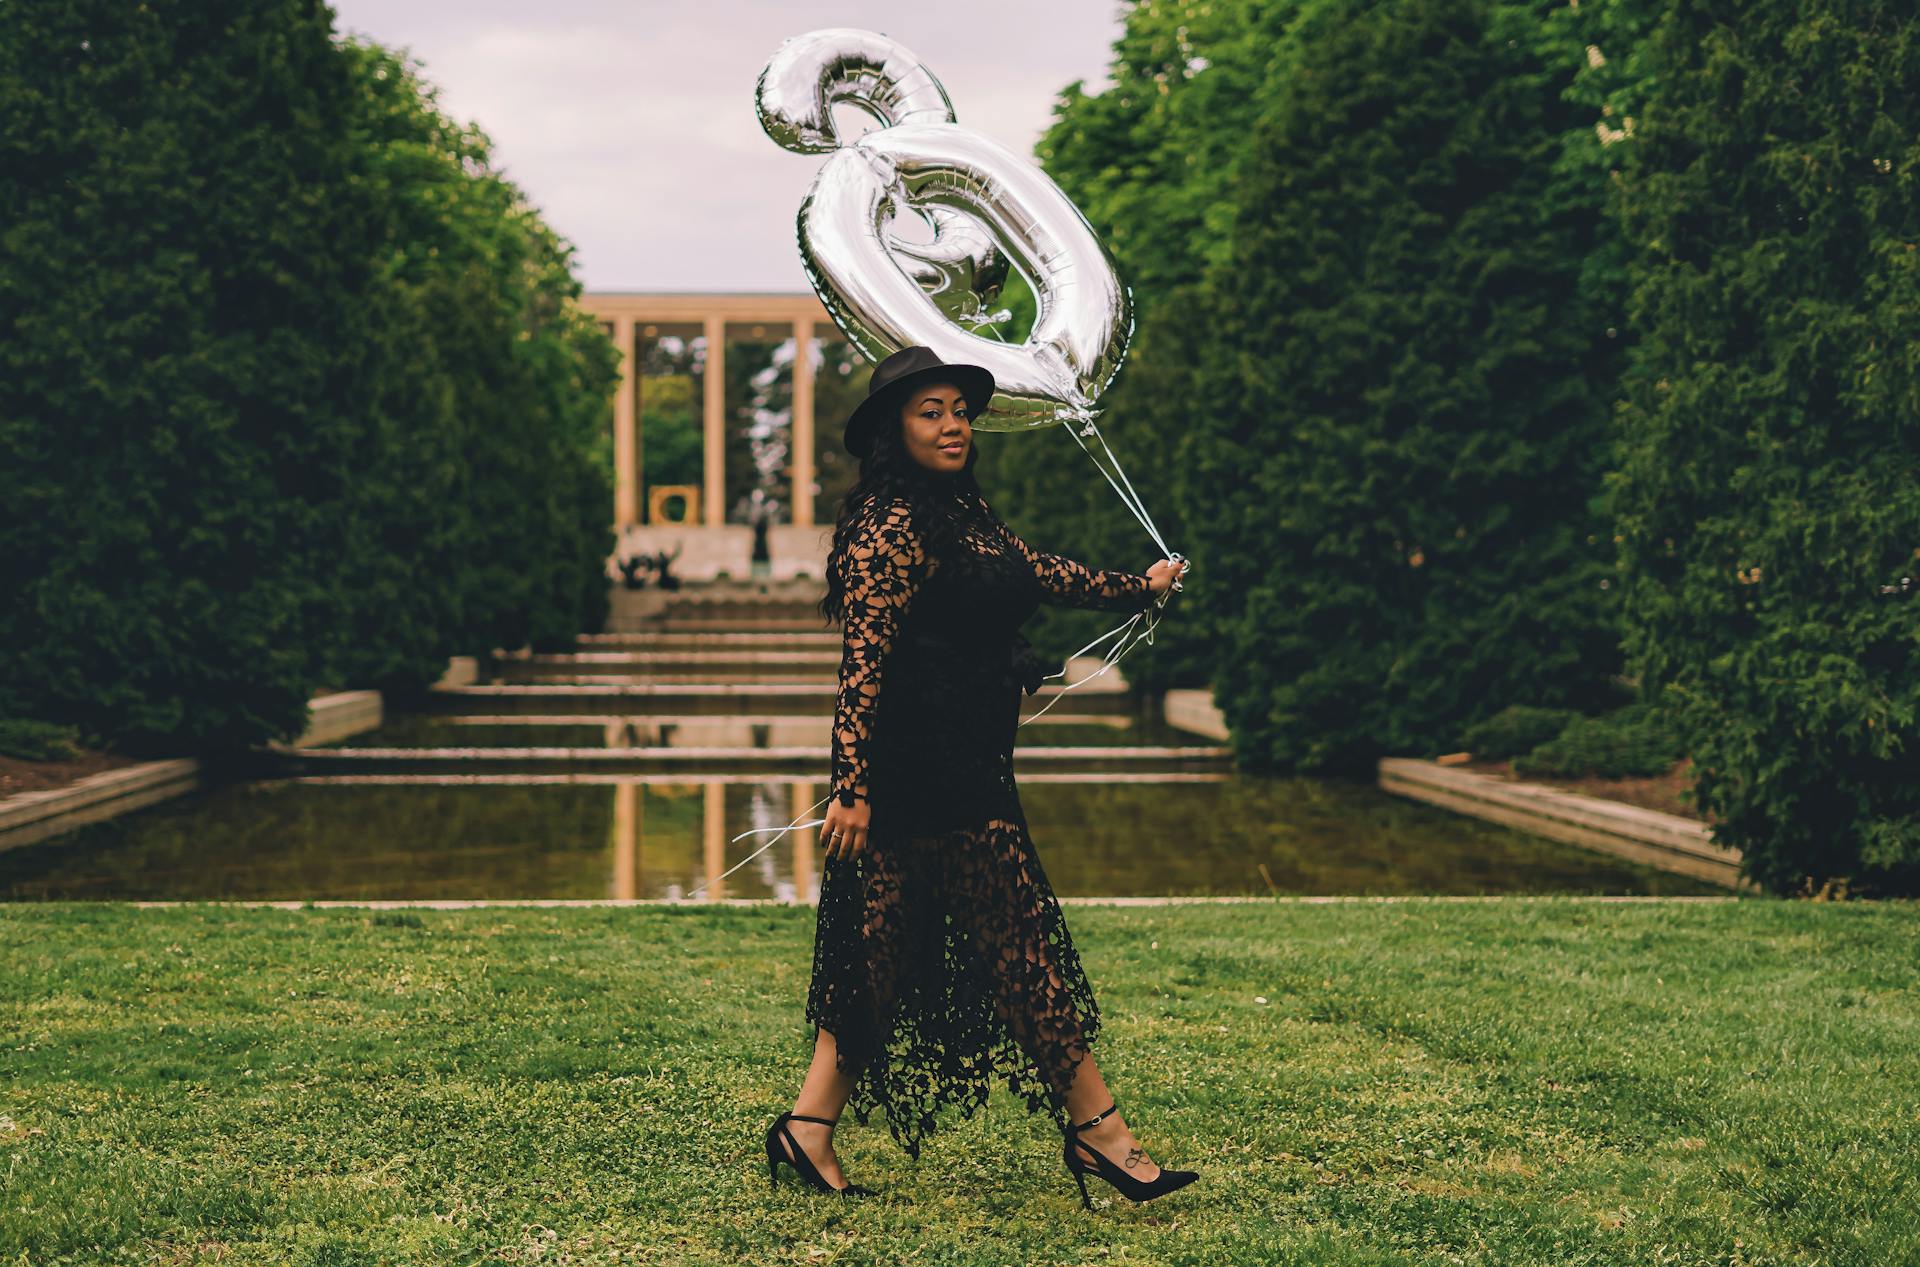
(987, 207)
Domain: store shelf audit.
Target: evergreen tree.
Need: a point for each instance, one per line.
(295, 392)
(1767, 501)
(185, 292)
(1405, 414)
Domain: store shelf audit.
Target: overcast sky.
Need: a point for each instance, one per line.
(631, 125)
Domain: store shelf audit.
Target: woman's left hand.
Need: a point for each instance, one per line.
(1163, 574)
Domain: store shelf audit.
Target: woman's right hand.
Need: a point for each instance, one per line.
(844, 834)
(1162, 575)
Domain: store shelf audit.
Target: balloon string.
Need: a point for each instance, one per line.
(1129, 634)
(1146, 620)
(754, 831)
(1127, 495)
(1130, 638)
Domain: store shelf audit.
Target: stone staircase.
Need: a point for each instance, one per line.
(714, 679)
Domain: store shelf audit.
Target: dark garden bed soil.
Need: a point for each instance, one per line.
(1665, 792)
(18, 776)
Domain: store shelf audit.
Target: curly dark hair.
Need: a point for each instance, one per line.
(943, 504)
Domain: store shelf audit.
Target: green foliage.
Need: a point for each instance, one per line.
(670, 422)
(508, 383)
(293, 390)
(1395, 265)
(1368, 390)
(1632, 742)
(37, 740)
(1766, 498)
(1516, 729)
(1405, 420)
(186, 334)
(1152, 162)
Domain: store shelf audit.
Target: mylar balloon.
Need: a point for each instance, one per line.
(988, 206)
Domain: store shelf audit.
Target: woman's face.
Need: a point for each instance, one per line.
(935, 427)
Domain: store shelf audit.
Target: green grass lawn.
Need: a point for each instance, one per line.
(1553, 1081)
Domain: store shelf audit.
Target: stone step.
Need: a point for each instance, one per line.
(762, 730)
(741, 609)
(588, 668)
(706, 698)
(669, 640)
(807, 760)
(686, 674)
(702, 624)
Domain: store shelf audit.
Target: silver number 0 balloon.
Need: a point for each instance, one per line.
(987, 207)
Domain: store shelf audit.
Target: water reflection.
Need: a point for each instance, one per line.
(668, 836)
(760, 730)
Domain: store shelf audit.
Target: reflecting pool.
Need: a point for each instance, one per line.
(575, 835)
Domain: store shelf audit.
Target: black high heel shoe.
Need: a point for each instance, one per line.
(1135, 1190)
(801, 1163)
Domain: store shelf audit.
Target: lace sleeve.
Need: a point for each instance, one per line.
(882, 567)
(1074, 584)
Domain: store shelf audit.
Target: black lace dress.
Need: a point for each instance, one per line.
(941, 960)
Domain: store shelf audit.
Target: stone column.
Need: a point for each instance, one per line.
(805, 840)
(714, 494)
(713, 836)
(627, 807)
(800, 459)
(626, 494)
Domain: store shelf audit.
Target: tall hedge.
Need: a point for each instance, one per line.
(1769, 496)
(1152, 160)
(510, 378)
(1405, 414)
(184, 307)
(244, 451)
(1192, 166)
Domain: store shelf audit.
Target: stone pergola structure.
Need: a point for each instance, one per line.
(710, 546)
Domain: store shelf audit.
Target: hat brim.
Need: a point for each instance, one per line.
(974, 381)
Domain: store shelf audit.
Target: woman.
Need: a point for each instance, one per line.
(941, 960)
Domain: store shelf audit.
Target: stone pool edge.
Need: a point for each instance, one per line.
(1683, 846)
(1667, 842)
(28, 818)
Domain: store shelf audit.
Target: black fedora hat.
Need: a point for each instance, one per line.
(899, 374)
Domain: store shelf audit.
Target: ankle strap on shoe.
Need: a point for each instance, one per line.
(1095, 1119)
(824, 1121)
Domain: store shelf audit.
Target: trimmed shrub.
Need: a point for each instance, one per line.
(1768, 503)
(1633, 742)
(293, 390)
(37, 740)
(1407, 425)
(1515, 730)
(186, 288)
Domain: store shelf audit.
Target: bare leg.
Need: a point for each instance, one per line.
(823, 1093)
(1110, 1135)
(1037, 1020)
